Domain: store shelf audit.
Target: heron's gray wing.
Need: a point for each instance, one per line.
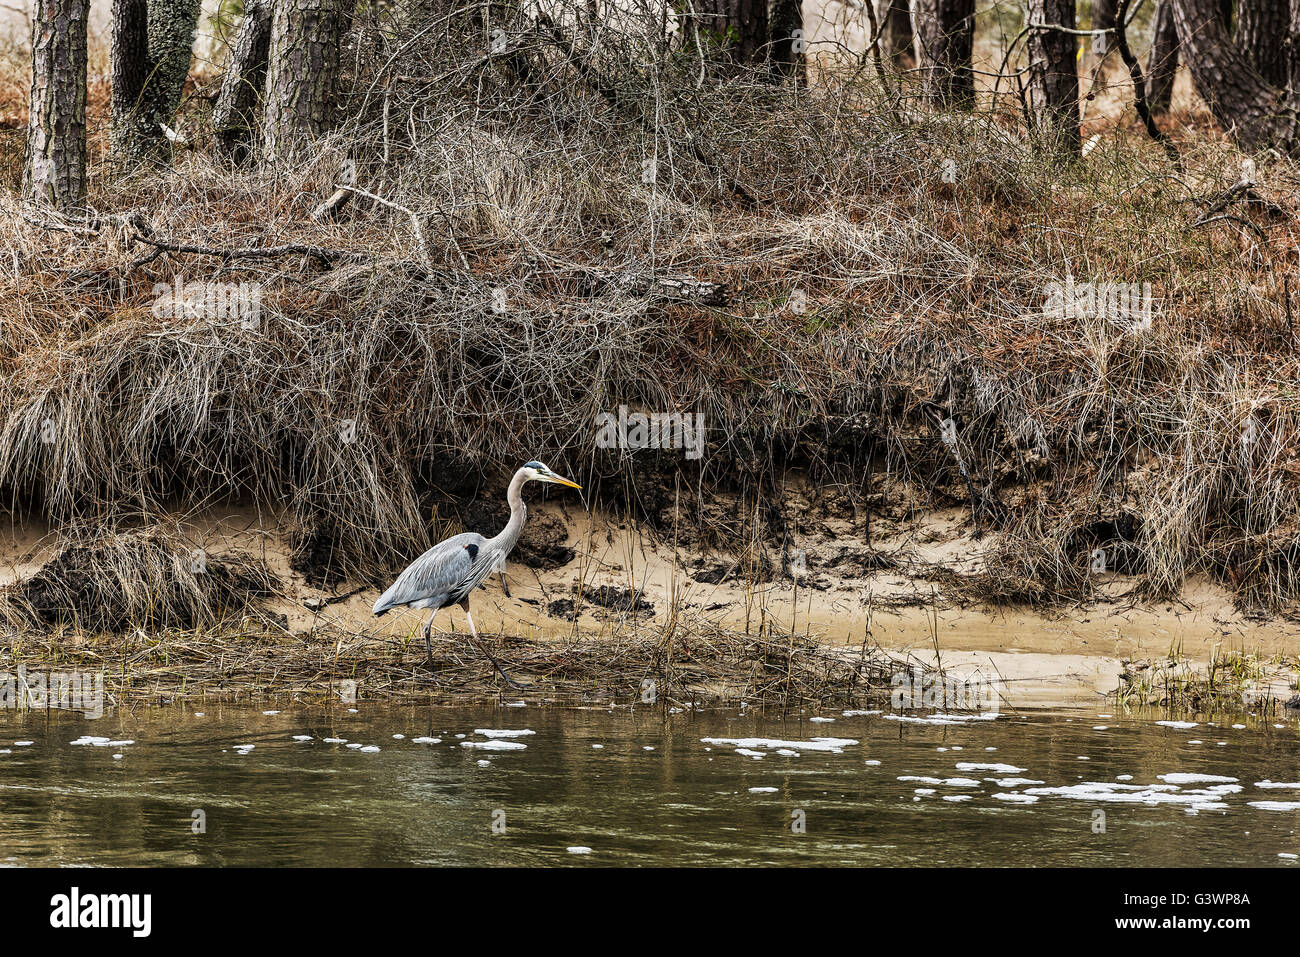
(433, 578)
(487, 562)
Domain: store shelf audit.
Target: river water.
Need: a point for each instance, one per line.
(234, 785)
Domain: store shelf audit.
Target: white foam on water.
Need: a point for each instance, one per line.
(354, 747)
(597, 747)
(787, 752)
(1013, 782)
(578, 849)
(995, 768)
(494, 745)
(1100, 727)
(756, 755)
(834, 745)
(516, 704)
(1276, 805)
(91, 739)
(1181, 725)
(1016, 798)
(335, 740)
(484, 763)
(270, 712)
(302, 737)
(28, 744)
(1238, 727)
(1289, 857)
(503, 732)
(762, 790)
(370, 748)
(924, 791)
(858, 714)
(1132, 794)
(1281, 785)
(1179, 777)
(871, 761)
(647, 747)
(956, 797)
(426, 740)
(399, 737)
(1123, 777)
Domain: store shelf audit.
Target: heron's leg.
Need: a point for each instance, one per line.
(428, 641)
(505, 585)
(483, 648)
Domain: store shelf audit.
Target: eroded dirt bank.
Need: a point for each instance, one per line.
(909, 591)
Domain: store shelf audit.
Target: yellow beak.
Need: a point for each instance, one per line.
(560, 480)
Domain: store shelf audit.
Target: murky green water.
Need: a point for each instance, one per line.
(638, 788)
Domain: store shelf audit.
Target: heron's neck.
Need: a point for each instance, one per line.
(518, 511)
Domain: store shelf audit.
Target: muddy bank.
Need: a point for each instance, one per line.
(249, 619)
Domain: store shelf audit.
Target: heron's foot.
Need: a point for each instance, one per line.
(505, 587)
(497, 665)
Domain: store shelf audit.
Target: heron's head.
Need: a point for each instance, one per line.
(536, 471)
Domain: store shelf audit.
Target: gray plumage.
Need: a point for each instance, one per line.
(442, 576)
(450, 571)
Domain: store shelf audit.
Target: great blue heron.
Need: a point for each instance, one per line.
(447, 573)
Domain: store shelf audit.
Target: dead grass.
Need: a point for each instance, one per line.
(688, 661)
(391, 365)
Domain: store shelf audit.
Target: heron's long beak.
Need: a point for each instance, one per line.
(561, 480)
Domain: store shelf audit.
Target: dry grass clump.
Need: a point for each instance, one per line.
(150, 578)
(873, 270)
(689, 661)
(1231, 683)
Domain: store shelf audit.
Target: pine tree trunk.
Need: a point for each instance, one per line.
(152, 44)
(788, 49)
(740, 24)
(55, 169)
(241, 86)
(1261, 29)
(1258, 113)
(895, 22)
(1103, 18)
(945, 31)
(1054, 78)
(1162, 64)
(302, 73)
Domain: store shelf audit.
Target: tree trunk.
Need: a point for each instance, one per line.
(895, 22)
(152, 43)
(1261, 29)
(741, 25)
(241, 86)
(1054, 78)
(302, 72)
(1258, 113)
(1162, 64)
(788, 40)
(945, 31)
(55, 170)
